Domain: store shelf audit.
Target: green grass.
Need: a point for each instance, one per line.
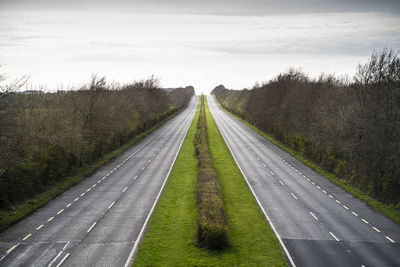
(22, 210)
(386, 210)
(169, 240)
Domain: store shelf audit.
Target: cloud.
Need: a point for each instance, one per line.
(311, 48)
(102, 57)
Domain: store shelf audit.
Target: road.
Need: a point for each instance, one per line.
(317, 222)
(98, 221)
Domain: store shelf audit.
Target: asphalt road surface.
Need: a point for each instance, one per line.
(317, 222)
(99, 221)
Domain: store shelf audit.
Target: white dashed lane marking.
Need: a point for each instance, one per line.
(26, 237)
(91, 227)
(312, 214)
(317, 186)
(337, 239)
(388, 238)
(112, 204)
(12, 248)
(376, 229)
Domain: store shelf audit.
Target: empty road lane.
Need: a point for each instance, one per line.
(318, 223)
(98, 221)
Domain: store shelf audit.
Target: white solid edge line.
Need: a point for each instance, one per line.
(140, 236)
(259, 203)
(58, 255)
(61, 262)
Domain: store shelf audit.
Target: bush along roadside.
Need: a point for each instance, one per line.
(212, 228)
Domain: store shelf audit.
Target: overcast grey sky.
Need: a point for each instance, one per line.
(238, 7)
(202, 43)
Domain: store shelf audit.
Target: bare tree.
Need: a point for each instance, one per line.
(12, 86)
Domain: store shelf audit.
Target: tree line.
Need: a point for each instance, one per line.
(46, 137)
(350, 126)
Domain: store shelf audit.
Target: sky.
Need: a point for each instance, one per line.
(186, 42)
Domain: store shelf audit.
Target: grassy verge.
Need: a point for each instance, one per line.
(169, 240)
(389, 212)
(22, 210)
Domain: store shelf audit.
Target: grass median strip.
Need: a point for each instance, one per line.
(170, 239)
